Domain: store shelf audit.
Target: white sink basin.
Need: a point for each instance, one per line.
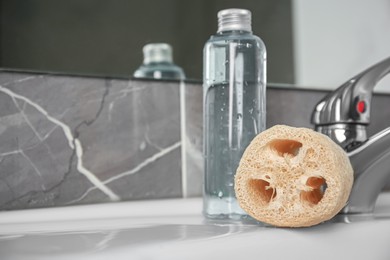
(175, 229)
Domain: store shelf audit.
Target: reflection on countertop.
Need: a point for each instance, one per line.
(175, 229)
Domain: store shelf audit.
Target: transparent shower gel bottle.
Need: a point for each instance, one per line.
(234, 91)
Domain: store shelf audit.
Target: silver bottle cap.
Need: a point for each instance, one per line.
(157, 52)
(234, 19)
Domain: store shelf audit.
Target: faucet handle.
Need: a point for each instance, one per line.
(344, 113)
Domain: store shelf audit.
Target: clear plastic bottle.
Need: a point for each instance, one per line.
(158, 63)
(234, 87)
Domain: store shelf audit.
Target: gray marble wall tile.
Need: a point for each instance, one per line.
(291, 106)
(193, 140)
(73, 140)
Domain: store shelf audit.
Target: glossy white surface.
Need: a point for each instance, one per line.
(175, 229)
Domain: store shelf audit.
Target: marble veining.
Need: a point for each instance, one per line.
(71, 140)
(74, 143)
(143, 164)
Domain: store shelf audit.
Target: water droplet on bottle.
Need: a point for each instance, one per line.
(222, 109)
(251, 110)
(239, 116)
(220, 194)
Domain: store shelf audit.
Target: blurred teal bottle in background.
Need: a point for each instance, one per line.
(158, 63)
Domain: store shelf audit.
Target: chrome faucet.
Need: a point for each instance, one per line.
(343, 115)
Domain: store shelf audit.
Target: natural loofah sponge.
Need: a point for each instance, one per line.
(293, 177)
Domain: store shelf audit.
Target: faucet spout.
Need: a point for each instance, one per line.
(344, 113)
(371, 164)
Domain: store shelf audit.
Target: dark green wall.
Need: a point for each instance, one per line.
(106, 37)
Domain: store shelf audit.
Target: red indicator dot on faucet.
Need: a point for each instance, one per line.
(361, 106)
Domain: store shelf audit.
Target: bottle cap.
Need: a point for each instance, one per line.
(157, 52)
(234, 20)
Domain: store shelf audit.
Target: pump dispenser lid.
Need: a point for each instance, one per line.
(157, 52)
(234, 20)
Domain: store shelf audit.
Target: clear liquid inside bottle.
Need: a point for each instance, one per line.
(234, 103)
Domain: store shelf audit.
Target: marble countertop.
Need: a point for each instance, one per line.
(175, 229)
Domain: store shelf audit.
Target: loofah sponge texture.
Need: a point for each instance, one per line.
(293, 177)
